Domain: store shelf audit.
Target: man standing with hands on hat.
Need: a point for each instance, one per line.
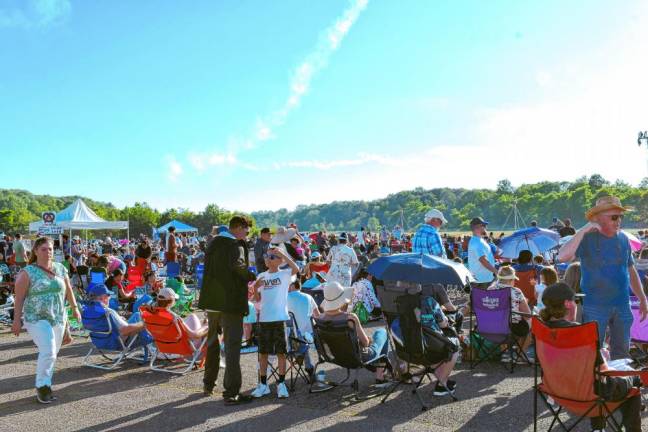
(481, 261)
(607, 273)
(427, 239)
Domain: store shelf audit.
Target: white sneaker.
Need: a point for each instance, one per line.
(282, 390)
(261, 390)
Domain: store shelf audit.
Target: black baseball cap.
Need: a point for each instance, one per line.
(558, 292)
(265, 230)
(478, 221)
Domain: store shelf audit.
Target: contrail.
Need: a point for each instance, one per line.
(300, 82)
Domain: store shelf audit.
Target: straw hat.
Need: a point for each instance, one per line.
(335, 296)
(604, 204)
(506, 273)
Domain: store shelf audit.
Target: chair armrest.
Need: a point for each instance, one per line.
(524, 314)
(642, 374)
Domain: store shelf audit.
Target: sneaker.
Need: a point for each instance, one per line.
(43, 395)
(261, 390)
(282, 390)
(440, 390)
(238, 399)
(51, 395)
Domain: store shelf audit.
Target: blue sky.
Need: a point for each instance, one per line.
(261, 105)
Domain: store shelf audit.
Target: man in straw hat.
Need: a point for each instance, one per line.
(607, 273)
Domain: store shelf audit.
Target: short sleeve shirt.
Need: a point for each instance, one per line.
(301, 305)
(605, 279)
(274, 296)
(45, 299)
(477, 247)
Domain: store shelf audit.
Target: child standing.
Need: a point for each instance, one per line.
(271, 291)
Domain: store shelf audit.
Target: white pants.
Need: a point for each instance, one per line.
(48, 339)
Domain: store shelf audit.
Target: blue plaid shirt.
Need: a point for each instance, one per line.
(428, 241)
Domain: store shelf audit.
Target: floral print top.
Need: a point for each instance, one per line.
(45, 299)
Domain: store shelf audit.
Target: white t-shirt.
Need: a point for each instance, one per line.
(477, 247)
(274, 295)
(302, 305)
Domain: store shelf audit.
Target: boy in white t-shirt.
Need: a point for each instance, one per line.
(271, 292)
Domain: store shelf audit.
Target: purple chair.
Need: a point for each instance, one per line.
(492, 311)
(639, 329)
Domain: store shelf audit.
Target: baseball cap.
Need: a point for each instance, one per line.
(167, 294)
(315, 255)
(434, 214)
(98, 290)
(559, 292)
(478, 221)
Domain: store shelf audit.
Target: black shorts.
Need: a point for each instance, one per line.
(520, 329)
(272, 337)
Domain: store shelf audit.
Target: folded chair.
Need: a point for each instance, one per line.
(492, 312)
(570, 373)
(411, 347)
(105, 338)
(298, 348)
(337, 343)
(172, 340)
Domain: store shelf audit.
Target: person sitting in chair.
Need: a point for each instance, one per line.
(100, 293)
(335, 305)
(197, 329)
(432, 319)
(560, 311)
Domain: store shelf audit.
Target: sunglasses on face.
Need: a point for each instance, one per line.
(616, 217)
(272, 257)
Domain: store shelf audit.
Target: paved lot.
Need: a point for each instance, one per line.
(134, 398)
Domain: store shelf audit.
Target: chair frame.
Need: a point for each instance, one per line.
(323, 357)
(513, 345)
(409, 377)
(126, 352)
(191, 363)
(598, 403)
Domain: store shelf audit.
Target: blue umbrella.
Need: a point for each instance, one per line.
(537, 240)
(420, 268)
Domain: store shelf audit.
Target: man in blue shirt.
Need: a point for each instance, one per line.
(427, 239)
(607, 273)
(481, 261)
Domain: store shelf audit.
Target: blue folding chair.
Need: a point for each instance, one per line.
(172, 269)
(106, 340)
(200, 274)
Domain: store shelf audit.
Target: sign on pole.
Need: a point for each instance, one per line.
(49, 226)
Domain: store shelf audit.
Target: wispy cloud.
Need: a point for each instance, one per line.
(202, 161)
(174, 168)
(35, 13)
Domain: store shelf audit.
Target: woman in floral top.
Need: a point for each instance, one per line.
(41, 289)
(343, 262)
(363, 291)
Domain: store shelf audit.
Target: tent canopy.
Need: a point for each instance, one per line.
(79, 216)
(179, 226)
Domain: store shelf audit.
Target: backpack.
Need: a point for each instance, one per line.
(361, 311)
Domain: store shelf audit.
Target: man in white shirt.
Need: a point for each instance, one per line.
(303, 307)
(481, 261)
(271, 292)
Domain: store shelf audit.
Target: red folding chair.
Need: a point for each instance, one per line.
(568, 361)
(135, 278)
(172, 340)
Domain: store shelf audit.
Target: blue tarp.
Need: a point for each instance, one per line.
(179, 226)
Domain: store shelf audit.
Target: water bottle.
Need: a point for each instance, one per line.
(320, 376)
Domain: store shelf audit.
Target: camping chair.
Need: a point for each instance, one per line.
(200, 274)
(172, 269)
(524, 284)
(172, 340)
(105, 338)
(97, 276)
(298, 348)
(567, 359)
(81, 274)
(337, 343)
(135, 277)
(638, 331)
(410, 349)
(184, 302)
(492, 311)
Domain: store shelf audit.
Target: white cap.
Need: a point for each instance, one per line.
(167, 294)
(434, 214)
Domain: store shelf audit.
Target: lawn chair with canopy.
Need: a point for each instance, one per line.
(410, 348)
(172, 340)
(567, 359)
(492, 312)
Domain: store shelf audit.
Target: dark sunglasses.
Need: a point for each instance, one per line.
(271, 257)
(616, 217)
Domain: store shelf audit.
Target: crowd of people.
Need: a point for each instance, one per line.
(250, 287)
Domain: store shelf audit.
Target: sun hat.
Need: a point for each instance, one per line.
(506, 273)
(98, 290)
(434, 214)
(167, 294)
(559, 291)
(335, 296)
(605, 203)
(283, 235)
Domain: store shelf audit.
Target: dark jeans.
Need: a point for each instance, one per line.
(231, 325)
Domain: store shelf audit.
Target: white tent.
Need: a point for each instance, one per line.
(78, 216)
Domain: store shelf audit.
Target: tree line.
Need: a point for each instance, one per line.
(538, 201)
